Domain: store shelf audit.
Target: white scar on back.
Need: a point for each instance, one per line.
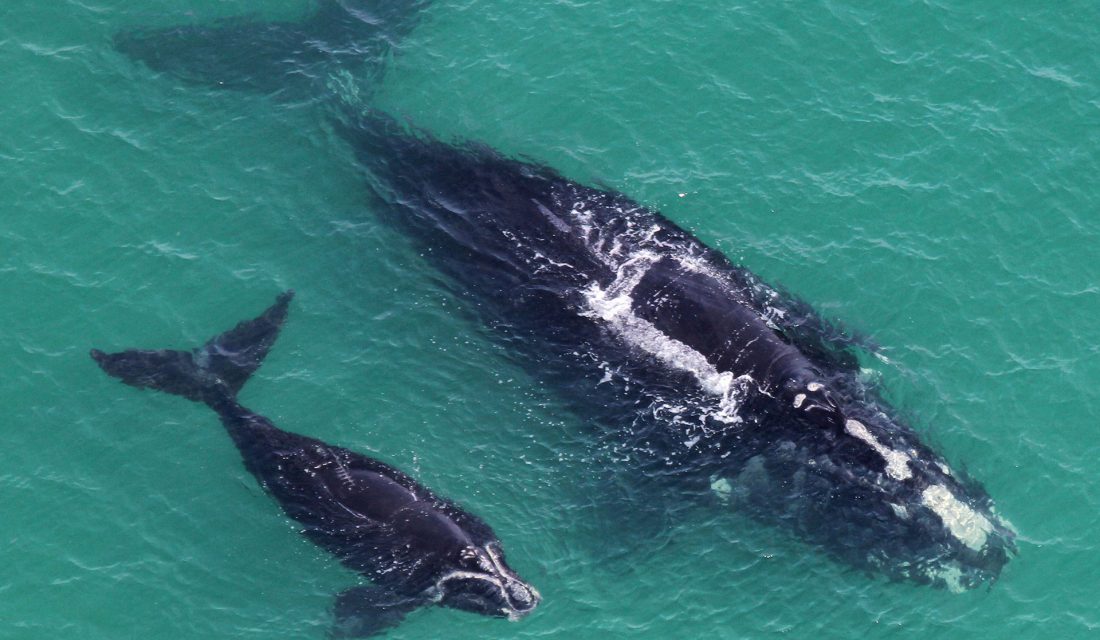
(897, 463)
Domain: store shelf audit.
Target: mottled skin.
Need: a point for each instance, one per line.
(416, 547)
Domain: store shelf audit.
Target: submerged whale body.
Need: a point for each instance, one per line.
(715, 375)
(417, 548)
(290, 58)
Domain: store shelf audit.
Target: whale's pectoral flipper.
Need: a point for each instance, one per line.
(249, 53)
(365, 611)
(223, 364)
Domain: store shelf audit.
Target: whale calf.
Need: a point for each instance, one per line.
(416, 547)
(705, 371)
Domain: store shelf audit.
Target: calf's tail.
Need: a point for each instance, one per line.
(216, 370)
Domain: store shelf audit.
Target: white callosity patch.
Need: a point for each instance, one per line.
(496, 575)
(440, 587)
(897, 462)
(799, 399)
(966, 524)
(516, 589)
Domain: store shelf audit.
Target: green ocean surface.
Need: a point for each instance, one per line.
(924, 172)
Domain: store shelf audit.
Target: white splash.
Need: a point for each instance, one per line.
(630, 250)
(897, 463)
(644, 335)
(614, 306)
(969, 526)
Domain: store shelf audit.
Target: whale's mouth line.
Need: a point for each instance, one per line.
(515, 610)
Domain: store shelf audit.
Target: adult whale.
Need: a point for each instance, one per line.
(707, 372)
(415, 546)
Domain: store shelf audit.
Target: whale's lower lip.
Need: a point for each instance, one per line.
(515, 614)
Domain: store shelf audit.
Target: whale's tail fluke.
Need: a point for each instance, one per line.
(216, 370)
(249, 53)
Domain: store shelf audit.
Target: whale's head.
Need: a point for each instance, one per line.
(921, 520)
(482, 582)
(860, 484)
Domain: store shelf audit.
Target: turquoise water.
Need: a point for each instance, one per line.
(926, 173)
